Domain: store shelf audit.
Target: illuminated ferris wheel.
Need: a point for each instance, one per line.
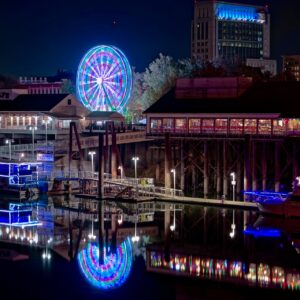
(104, 79)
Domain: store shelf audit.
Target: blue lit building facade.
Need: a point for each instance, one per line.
(223, 30)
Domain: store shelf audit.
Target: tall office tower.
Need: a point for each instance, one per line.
(231, 31)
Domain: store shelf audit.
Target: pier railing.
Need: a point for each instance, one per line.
(141, 187)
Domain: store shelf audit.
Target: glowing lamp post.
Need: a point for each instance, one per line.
(174, 181)
(8, 142)
(21, 156)
(92, 153)
(121, 172)
(120, 218)
(135, 159)
(46, 122)
(233, 183)
(33, 129)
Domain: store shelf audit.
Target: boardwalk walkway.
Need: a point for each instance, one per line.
(143, 190)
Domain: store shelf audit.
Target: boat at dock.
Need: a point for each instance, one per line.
(19, 179)
(279, 204)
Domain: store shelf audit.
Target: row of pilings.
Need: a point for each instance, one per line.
(203, 165)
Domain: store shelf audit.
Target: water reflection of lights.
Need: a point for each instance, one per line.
(232, 233)
(91, 235)
(31, 235)
(259, 274)
(262, 232)
(46, 254)
(115, 270)
(173, 226)
(135, 238)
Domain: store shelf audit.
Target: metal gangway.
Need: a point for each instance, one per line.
(142, 188)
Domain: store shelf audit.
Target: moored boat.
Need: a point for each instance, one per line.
(289, 207)
(19, 179)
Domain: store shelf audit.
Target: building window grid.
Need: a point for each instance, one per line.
(232, 126)
(240, 39)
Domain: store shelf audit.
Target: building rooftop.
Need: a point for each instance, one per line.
(105, 116)
(261, 98)
(296, 56)
(39, 103)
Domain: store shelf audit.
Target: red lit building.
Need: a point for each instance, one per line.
(226, 106)
(40, 85)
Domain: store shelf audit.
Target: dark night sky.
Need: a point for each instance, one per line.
(38, 37)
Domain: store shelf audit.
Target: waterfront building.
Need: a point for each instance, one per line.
(291, 64)
(40, 85)
(216, 125)
(25, 111)
(266, 65)
(54, 111)
(230, 31)
(226, 106)
(44, 120)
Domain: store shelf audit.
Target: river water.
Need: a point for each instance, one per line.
(201, 253)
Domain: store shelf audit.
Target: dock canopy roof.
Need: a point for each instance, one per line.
(29, 102)
(105, 116)
(280, 98)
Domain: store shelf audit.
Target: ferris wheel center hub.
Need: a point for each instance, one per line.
(99, 80)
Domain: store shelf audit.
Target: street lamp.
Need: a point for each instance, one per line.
(135, 238)
(121, 172)
(21, 156)
(120, 218)
(92, 153)
(135, 159)
(33, 129)
(233, 183)
(9, 141)
(46, 122)
(174, 181)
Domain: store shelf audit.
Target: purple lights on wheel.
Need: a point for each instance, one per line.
(104, 79)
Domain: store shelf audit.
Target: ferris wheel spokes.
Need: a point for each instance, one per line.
(104, 79)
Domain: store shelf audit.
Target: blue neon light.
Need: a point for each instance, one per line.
(260, 196)
(115, 270)
(18, 173)
(266, 194)
(262, 232)
(238, 13)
